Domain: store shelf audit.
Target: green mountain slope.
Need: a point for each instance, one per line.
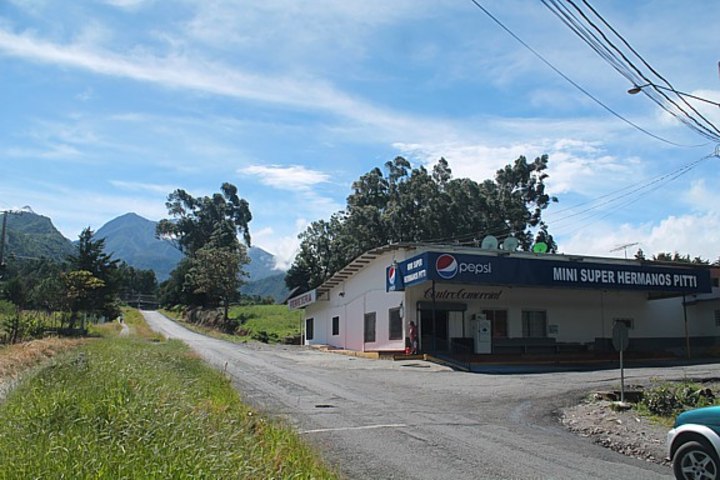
(272, 286)
(29, 235)
(131, 238)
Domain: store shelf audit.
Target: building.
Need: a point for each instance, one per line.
(458, 300)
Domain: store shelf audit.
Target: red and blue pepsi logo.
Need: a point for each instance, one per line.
(392, 275)
(446, 266)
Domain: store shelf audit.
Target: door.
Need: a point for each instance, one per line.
(434, 335)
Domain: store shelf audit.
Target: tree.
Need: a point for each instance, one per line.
(413, 205)
(197, 220)
(216, 272)
(91, 258)
(678, 258)
(80, 288)
(206, 229)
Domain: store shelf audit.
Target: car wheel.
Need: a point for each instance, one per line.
(695, 461)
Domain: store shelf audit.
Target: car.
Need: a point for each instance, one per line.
(694, 444)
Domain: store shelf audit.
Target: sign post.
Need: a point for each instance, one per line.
(620, 342)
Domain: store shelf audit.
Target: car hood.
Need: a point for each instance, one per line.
(709, 416)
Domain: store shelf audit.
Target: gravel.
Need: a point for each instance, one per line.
(625, 432)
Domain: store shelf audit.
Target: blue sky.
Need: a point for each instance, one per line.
(107, 106)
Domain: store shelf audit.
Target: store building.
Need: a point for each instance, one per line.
(457, 300)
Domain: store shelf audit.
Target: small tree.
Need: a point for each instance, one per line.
(216, 272)
(80, 286)
(91, 258)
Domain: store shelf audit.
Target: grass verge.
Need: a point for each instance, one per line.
(272, 323)
(133, 407)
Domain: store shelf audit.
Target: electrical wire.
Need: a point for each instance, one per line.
(572, 82)
(599, 41)
(616, 200)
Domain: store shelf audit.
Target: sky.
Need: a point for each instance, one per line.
(110, 105)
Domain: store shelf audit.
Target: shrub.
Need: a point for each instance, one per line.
(668, 400)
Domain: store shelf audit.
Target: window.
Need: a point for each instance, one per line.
(309, 329)
(716, 282)
(370, 327)
(336, 325)
(717, 318)
(498, 319)
(396, 326)
(534, 323)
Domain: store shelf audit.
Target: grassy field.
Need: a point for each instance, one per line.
(276, 321)
(138, 407)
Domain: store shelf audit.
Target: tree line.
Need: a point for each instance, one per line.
(403, 203)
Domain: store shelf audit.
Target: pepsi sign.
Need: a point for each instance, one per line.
(446, 266)
(393, 282)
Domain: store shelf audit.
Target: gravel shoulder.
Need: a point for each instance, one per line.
(625, 432)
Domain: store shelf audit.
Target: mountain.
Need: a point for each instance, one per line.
(131, 238)
(262, 265)
(31, 235)
(271, 286)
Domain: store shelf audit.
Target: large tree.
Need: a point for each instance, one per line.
(206, 229)
(198, 220)
(407, 204)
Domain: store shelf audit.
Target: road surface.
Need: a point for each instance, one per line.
(377, 419)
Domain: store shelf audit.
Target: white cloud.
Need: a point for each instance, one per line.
(143, 187)
(691, 234)
(291, 177)
(126, 4)
(283, 247)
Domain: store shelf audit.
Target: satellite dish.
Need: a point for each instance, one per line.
(510, 244)
(489, 243)
(540, 247)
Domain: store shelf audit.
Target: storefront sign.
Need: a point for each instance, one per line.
(543, 272)
(303, 300)
(462, 294)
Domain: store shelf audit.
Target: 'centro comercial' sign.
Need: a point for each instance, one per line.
(543, 272)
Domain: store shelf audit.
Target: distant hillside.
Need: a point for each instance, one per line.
(34, 236)
(272, 286)
(262, 264)
(131, 238)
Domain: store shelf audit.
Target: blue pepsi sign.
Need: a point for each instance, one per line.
(544, 272)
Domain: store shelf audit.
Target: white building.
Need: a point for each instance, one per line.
(470, 300)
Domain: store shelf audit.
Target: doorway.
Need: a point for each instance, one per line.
(434, 331)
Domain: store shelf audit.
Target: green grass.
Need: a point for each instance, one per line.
(273, 319)
(133, 407)
(277, 321)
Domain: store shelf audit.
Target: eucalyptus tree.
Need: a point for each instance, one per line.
(206, 230)
(407, 204)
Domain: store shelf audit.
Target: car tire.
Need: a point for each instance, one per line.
(694, 461)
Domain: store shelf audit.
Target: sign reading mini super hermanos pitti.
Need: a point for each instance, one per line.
(542, 272)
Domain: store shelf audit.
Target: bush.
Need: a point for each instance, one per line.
(668, 400)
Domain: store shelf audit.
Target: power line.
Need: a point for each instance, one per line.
(599, 40)
(572, 82)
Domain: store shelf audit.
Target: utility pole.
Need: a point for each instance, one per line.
(2, 242)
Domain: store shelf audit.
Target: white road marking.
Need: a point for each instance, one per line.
(366, 427)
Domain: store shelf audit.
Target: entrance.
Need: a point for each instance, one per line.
(444, 331)
(434, 334)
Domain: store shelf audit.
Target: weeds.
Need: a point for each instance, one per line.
(126, 407)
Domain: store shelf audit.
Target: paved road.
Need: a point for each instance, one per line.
(413, 420)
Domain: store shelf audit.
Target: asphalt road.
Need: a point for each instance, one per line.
(376, 419)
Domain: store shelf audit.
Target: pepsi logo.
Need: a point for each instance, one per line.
(392, 274)
(446, 266)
